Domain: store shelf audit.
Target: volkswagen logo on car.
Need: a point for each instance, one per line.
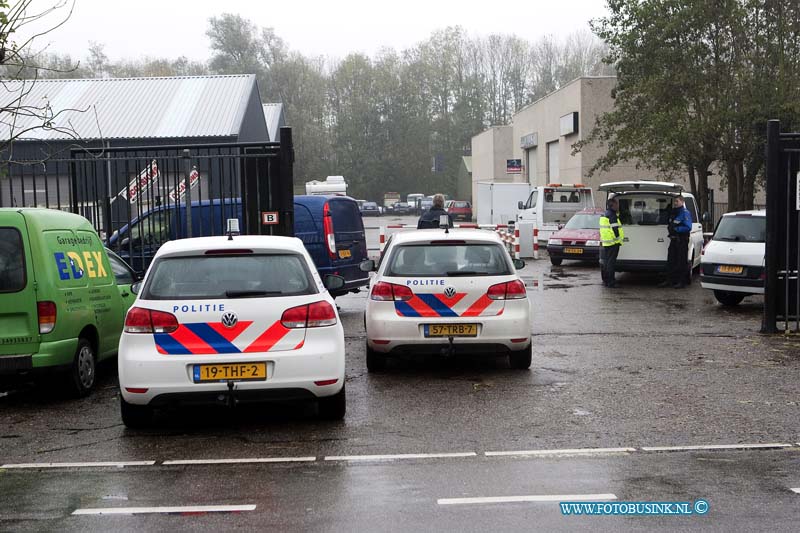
(450, 292)
(229, 319)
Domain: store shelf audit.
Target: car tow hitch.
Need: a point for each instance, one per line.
(230, 399)
(450, 350)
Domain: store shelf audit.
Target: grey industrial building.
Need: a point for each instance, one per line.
(118, 113)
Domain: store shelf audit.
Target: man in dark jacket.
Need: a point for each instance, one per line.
(430, 218)
(680, 226)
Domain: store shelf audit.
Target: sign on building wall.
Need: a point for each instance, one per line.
(530, 140)
(569, 123)
(513, 166)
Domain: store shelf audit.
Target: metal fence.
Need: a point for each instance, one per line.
(139, 197)
(720, 208)
(782, 257)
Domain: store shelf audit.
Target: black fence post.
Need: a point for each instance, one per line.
(769, 323)
(187, 170)
(286, 181)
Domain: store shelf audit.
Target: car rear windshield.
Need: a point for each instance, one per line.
(12, 262)
(584, 221)
(228, 276)
(741, 229)
(442, 260)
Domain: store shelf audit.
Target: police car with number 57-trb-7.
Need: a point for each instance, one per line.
(225, 320)
(447, 292)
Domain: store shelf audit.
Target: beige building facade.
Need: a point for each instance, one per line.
(543, 134)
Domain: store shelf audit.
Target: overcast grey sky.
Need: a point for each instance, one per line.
(172, 28)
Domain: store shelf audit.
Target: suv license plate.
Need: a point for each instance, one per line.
(343, 254)
(230, 372)
(730, 269)
(451, 330)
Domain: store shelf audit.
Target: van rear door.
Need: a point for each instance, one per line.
(349, 236)
(19, 319)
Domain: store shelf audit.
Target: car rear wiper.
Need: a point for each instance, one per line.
(465, 273)
(251, 294)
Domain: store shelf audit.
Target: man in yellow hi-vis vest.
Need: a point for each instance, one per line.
(611, 236)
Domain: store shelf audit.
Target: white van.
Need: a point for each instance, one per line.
(551, 206)
(733, 260)
(644, 210)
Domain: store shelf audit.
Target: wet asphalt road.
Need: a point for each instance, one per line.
(634, 367)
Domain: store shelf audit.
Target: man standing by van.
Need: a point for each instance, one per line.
(430, 218)
(680, 226)
(611, 236)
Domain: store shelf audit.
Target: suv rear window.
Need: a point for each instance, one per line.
(741, 229)
(12, 262)
(645, 209)
(228, 276)
(437, 260)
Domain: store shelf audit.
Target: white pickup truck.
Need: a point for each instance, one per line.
(549, 207)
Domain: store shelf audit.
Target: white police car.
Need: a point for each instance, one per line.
(221, 320)
(732, 264)
(447, 292)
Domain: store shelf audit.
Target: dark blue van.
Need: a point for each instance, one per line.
(330, 227)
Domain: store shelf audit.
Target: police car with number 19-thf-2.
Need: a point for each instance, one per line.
(447, 292)
(221, 320)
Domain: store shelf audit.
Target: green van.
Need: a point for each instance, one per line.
(63, 296)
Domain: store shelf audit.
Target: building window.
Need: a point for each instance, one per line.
(552, 162)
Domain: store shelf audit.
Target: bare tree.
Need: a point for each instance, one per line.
(22, 65)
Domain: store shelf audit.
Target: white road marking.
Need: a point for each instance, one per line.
(531, 498)
(237, 461)
(180, 509)
(566, 451)
(713, 447)
(398, 456)
(796, 491)
(118, 464)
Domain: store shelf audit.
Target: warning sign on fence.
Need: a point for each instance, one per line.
(141, 183)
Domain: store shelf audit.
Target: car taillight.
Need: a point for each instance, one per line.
(140, 320)
(163, 322)
(387, 292)
(327, 227)
(512, 290)
(47, 316)
(321, 314)
(314, 315)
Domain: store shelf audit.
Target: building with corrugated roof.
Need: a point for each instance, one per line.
(273, 116)
(120, 113)
(133, 111)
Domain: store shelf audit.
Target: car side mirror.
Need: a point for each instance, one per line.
(333, 282)
(519, 264)
(520, 205)
(135, 287)
(706, 217)
(367, 266)
(138, 276)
